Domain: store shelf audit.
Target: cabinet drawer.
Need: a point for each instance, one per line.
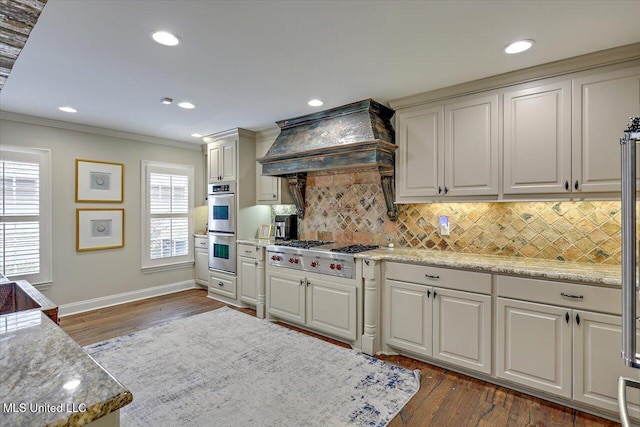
(594, 298)
(223, 286)
(201, 242)
(443, 277)
(248, 251)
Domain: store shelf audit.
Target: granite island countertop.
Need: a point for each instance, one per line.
(43, 369)
(592, 274)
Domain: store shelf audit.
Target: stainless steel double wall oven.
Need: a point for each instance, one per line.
(222, 224)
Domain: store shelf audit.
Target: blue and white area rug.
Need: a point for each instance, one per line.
(226, 368)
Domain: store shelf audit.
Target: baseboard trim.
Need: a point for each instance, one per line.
(111, 300)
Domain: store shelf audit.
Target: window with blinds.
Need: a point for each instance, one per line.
(168, 196)
(24, 211)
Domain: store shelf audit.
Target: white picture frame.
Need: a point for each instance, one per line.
(98, 229)
(98, 181)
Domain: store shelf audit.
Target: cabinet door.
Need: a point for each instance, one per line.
(228, 161)
(462, 329)
(597, 363)
(214, 157)
(534, 346)
(537, 140)
(602, 105)
(419, 158)
(247, 268)
(471, 147)
(409, 316)
(202, 266)
(286, 296)
(332, 308)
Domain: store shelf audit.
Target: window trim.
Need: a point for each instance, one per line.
(45, 276)
(168, 263)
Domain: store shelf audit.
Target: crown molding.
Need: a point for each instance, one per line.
(41, 121)
(617, 55)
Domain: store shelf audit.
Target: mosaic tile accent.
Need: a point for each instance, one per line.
(350, 207)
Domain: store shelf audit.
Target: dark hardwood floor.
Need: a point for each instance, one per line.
(445, 398)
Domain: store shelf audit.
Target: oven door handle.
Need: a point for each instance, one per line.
(221, 234)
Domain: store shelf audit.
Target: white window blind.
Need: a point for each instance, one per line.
(24, 214)
(166, 217)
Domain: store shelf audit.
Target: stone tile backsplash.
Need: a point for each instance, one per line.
(349, 207)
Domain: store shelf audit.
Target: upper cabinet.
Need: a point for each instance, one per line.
(270, 190)
(602, 105)
(555, 138)
(222, 160)
(448, 149)
(471, 165)
(537, 139)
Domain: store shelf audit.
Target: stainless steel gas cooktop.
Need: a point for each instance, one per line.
(329, 258)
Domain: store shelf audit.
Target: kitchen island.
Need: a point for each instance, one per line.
(48, 379)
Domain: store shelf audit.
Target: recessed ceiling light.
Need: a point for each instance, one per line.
(196, 135)
(68, 109)
(166, 101)
(186, 105)
(165, 38)
(315, 103)
(519, 46)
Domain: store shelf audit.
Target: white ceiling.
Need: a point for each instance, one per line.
(250, 63)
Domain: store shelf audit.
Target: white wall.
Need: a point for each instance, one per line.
(79, 276)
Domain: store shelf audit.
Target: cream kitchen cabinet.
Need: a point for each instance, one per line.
(597, 362)
(448, 150)
(306, 299)
(270, 190)
(602, 105)
(221, 159)
(222, 286)
(565, 340)
(251, 276)
(534, 345)
(537, 140)
(446, 324)
(201, 252)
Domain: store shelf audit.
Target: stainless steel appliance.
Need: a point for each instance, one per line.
(222, 252)
(629, 273)
(332, 259)
(222, 224)
(286, 227)
(222, 207)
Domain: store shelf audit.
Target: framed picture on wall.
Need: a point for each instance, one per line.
(265, 231)
(98, 181)
(98, 229)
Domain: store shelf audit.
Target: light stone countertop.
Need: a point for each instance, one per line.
(256, 242)
(37, 359)
(592, 274)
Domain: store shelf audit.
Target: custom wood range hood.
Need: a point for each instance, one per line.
(348, 138)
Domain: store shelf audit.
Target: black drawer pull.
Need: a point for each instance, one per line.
(566, 317)
(366, 261)
(572, 296)
(429, 276)
(578, 319)
(220, 284)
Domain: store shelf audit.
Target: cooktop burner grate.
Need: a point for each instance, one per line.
(354, 249)
(304, 244)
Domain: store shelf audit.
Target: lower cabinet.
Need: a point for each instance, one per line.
(597, 362)
(201, 255)
(534, 345)
(452, 326)
(567, 352)
(323, 305)
(221, 284)
(251, 264)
